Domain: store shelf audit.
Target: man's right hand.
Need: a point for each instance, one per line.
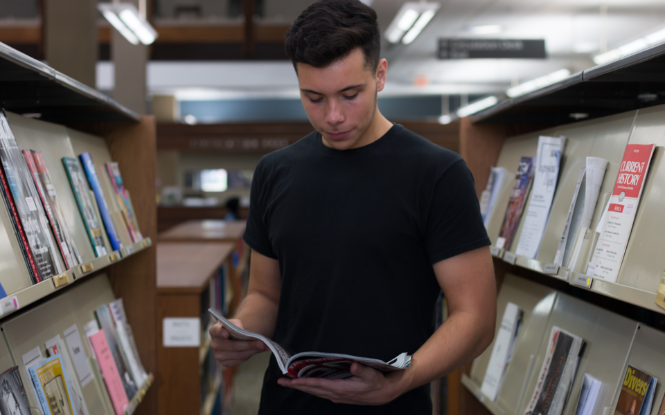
(231, 352)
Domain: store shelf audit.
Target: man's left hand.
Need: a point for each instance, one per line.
(366, 387)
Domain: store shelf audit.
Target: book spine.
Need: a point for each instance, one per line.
(128, 213)
(18, 228)
(40, 391)
(93, 180)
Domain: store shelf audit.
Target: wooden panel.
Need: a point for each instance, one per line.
(188, 267)
(21, 35)
(170, 216)
(199, 34)
(205, 230)
(178, 375)
(480, 146)
(275, 33)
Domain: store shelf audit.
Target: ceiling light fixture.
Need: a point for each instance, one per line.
(477, 106)
(631, 47)
(410, 20)
(485, 29)
(538, 83)
(125, 18)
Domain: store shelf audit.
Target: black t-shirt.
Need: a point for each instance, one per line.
(356, 233)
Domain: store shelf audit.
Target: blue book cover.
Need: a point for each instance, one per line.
(3, 294)
(39, 390)
(86, 160)
(53, 386)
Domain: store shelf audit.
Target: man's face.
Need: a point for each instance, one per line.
(340, 99)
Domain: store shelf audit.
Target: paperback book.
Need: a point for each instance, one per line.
(93, 180)
(55, 346)
(26, 201)
(590, 394)
(107, 367)
(13, 399)
(123, 201)
(518, 196)
(49, 200)
(637, 393)
(313, 364)
(53, 387)
(80, 189)
(556, 374)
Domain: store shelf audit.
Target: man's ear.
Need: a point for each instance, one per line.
(381, 75)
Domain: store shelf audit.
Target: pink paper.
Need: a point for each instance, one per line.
(109, 372)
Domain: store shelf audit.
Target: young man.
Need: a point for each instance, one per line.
(354, 231)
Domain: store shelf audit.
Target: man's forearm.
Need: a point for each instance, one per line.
(258, 313)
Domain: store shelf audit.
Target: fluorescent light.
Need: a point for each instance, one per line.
(538, 83)
(418, 27)
(485, 29)
(411, 19)
(190, 119)
(447, 119)
(126, 20)
(631, 47)
(585, 47)
(477, 106)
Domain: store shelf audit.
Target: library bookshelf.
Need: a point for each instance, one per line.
(599, 111)
(61, 117)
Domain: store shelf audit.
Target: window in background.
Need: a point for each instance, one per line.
(218, 180)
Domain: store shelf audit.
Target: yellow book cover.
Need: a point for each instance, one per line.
(633, 391)
(53, 381)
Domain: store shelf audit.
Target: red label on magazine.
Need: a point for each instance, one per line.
(632, 170)
(615, 207)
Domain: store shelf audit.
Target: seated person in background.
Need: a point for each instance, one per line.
(232, 209)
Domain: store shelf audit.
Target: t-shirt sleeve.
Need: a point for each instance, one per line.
(256, 233)
(454, 225)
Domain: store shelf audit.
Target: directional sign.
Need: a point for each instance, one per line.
(492, 48)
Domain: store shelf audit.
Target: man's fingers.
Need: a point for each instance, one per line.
(237, 345)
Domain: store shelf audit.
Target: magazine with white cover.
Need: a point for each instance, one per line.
(498, 183)
(313, 364)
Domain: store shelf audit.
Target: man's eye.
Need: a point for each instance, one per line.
(351, 96)
(315, 100)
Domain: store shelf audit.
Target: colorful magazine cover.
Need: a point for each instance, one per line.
(123, 201)
(80, 188)
(56, 346)
(633, 392)
(26, 200)
(53, 212)
(52, 386)
(13, 400)
(109, 371)
(93, 180)
(518, 198)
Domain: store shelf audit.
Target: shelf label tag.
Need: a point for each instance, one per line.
(182, 332)
(581, 280)
(85, 268)
(114, 257)
(495, 251)
(510, 258)
(8, 304)
(60, 280)
(129, 250)
(551, 269)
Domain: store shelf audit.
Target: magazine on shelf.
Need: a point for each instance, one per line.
(661, 410)
(556, 374)
(56, 346)
(582, 206)
(53, 386)
(26, 200)
(521, 187)
(93, 180)
(109, 371)
(126, 338)
(498, 182)
(80, 188)
(49, 200)
(105, 321)
(502, 352)
(621, 212)
(13, 399)
(589, 395)
(123, 200)
(637, 393)
(548, 161)
(313, 364)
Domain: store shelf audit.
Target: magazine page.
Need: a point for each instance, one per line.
(338, 366)
(518, 195)
(621, 212)
(633, 392)
(13, 399)
(548, 160)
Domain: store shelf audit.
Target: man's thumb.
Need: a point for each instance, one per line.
(357, 369)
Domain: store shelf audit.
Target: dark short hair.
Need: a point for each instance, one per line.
(330, 30)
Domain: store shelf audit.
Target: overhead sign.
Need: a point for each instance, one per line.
(492, 48)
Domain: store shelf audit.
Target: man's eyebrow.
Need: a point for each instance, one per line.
(341, 90)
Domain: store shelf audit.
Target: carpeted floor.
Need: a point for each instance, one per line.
(247, 386)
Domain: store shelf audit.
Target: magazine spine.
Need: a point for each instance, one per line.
(93, 181)
(18, 228)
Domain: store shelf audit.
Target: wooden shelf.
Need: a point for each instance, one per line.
(475, 389)
(37, 292)
(188, 267)
(205, 231)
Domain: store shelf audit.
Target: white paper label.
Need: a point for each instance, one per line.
(182, 332)
(484, 202)
(8, 304)
(31, 204)
(500, 242)
(495, 250)
(551, 269)
(73, 340)
(32, 357)
(510, 258)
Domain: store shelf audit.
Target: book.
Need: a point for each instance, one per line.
(521, 188)
(621, 211)
(556, 374)
(105, 320)
(56, 346)
(126, 338)
(548, 161)
(633, 399)
(107, 367)
(313, 364)
(26, 201)
(93, 180)
(53, 386)
(123, 200)
(54, 214)
(13, 399)
(80, 189)
(502, 351)
(589, 393)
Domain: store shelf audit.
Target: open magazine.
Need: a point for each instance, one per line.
(313, 364)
